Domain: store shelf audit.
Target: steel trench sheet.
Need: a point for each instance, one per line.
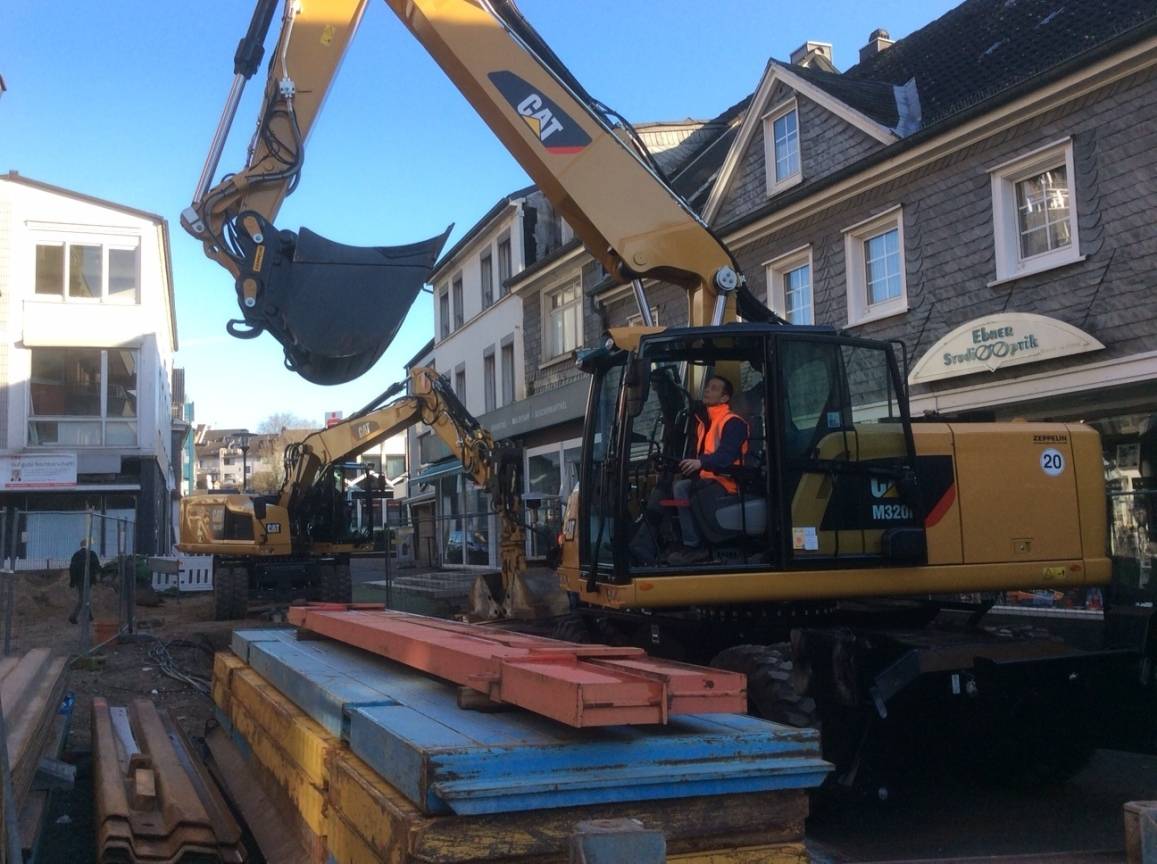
(581, 685)
(155, 802)
(408, 727)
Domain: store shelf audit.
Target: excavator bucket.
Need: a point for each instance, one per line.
(334, 308)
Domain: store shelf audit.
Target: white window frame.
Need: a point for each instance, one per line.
(507, 369)
(1006, 226)
(444, 313)
(504, 262)
(489, 379)
(103, 418)
(859, 312)
(777, 269)
(636, 320)
(457, 302)
(774, 187)
(106, 244)
(548, 350)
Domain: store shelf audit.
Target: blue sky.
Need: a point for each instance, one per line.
(119, 100)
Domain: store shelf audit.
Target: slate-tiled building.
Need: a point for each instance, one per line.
(982, 191)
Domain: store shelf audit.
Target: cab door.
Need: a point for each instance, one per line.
(848, 468)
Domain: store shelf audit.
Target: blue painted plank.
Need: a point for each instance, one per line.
(408, 727)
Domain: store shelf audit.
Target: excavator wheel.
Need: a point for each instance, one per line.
(770, 692)
(335, 583)
(572, 628)
(230, 593)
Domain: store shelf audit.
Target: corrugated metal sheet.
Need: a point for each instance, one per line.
(362, 819)
(409, 729)
(155, 802)
(580, 685)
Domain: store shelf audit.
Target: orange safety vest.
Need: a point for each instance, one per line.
(707, 440)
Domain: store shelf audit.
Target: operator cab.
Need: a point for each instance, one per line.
(823, 474)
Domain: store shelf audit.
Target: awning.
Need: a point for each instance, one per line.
(438, 469)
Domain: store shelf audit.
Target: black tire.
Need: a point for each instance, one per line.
(335, 583)
(770, 691)
(572, 628)
(230, 593)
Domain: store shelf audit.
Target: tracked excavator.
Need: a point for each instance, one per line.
(849, 567)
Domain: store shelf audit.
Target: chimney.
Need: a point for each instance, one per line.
(805, 54)
(877, 42)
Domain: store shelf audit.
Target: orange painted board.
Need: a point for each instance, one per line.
(580, 685)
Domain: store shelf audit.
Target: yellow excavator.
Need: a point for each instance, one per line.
(854, 551)
(297, 543)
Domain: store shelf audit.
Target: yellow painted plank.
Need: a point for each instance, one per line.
(307, 798)
(225, 663)
(346, 846)
(778, 853)
(304, 741)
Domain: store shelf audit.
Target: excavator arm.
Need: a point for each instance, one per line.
(335, 308)
(495, 467)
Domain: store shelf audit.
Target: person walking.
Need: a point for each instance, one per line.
(76, 566)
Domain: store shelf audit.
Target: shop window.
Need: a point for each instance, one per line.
(1033, 212)
(83, 397)
(77, 271)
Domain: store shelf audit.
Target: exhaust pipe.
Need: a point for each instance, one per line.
(334, 308)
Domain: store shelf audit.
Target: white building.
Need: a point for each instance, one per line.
(478, 347)
(86, 359)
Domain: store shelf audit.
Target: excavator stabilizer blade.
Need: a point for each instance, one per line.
(334, 308)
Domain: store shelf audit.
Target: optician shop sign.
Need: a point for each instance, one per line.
(997, 341)
(38, 471)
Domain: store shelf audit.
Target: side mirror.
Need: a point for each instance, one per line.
(638, 386)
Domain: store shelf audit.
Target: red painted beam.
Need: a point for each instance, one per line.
(580, 685)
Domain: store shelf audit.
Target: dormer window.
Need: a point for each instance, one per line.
(781, 146)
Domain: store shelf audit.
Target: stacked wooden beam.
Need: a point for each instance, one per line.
(155, 802)
(378, 763)
(31, 688)
(580, 685)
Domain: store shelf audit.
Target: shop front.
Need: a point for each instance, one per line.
(1063, 375)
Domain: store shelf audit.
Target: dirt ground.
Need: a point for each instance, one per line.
(128, 669)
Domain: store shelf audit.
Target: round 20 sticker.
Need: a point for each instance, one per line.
(1052, 462)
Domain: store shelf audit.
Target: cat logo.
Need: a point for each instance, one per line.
(557, 132)
(364, 429)
(883, 489)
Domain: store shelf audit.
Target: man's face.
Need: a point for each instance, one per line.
(715, 393)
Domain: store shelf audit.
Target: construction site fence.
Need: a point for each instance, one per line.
(41, 544)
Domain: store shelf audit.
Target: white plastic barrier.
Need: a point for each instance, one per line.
(192, 573)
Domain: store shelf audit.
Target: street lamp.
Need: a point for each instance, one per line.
(241, 439)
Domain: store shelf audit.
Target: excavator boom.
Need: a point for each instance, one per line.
(335, 308)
